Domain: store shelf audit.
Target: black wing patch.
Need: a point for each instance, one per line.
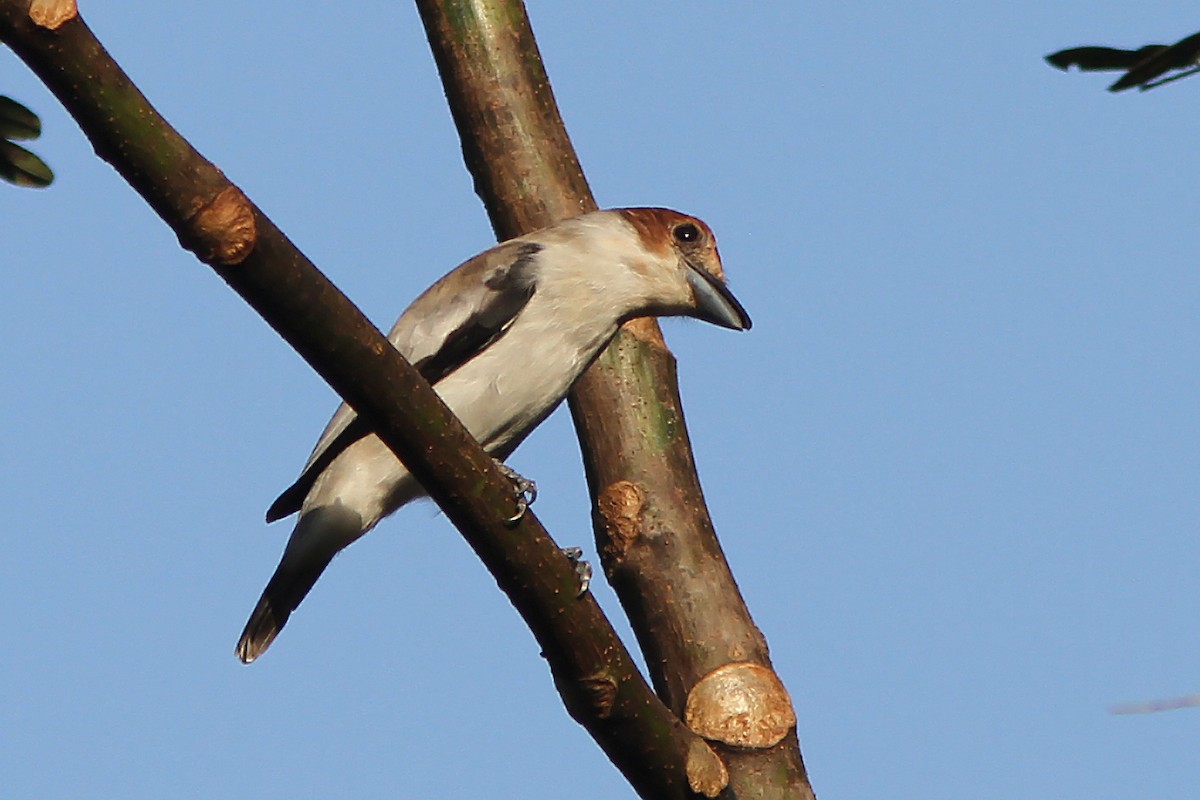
(511, 290)
(292, 498)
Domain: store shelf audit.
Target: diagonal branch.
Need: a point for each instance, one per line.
(213, 218)
(708, 660)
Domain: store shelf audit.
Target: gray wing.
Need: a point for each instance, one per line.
(444, 328)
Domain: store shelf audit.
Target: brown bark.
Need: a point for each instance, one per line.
(213, 218)
(653, 529)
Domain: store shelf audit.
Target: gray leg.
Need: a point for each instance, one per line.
(526, 490)
(583, 570)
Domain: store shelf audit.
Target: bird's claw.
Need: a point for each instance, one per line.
(583, 570)
(526, 491)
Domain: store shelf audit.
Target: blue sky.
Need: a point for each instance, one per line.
(954, 465)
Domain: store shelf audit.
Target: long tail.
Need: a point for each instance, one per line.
(284, 592)
(318, 537)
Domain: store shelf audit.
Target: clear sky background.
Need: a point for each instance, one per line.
(954, 465)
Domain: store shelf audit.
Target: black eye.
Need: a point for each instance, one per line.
(687, 232)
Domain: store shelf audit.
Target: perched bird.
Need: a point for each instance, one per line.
(502, 338)
(1143, 66)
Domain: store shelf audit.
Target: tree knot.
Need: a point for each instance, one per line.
(223, 231)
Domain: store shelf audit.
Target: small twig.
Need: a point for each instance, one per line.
(1187, 701)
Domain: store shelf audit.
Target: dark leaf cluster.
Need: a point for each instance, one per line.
(18, 166)
(1144, 67)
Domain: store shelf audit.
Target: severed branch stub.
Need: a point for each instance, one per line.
(222, 232)
(51, 14)
(742, 704)
(706, 772)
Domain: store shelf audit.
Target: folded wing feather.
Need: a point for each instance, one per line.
(444, 328)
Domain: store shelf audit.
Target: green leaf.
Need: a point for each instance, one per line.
(20, 167)
(17, 121)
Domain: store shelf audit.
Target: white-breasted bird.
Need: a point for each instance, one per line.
(502, 338)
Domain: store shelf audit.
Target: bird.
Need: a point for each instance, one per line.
(502, 338)
(1143, 66)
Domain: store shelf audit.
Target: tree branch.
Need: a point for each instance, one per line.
(708, 660)
(213, 218)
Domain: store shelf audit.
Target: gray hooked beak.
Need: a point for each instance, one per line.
(714, 302)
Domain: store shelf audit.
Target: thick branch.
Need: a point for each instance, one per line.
(656, 538)
(215, 220)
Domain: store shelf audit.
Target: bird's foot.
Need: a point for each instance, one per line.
(526, 491)
(583, 570)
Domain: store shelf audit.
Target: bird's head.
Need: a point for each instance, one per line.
(682, 268)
